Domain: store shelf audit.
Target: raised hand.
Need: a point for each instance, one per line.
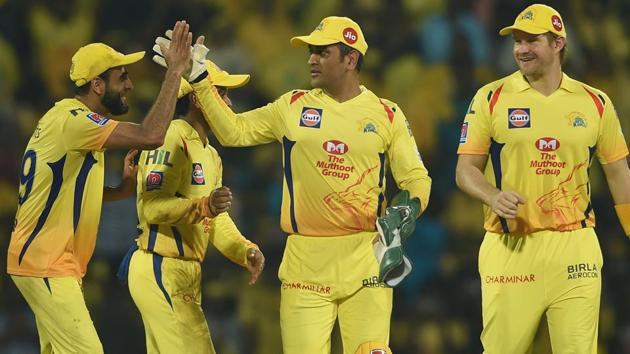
(175, 53)
(199, 53)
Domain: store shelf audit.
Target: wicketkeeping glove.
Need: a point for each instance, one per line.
(394, 229)
(199, 53)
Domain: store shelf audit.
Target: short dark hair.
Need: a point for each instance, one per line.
(345, 49)
(182, 107)
(563, 52)
(85, 88)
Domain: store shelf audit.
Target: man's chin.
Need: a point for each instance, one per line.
(315, 83)
(119, 111)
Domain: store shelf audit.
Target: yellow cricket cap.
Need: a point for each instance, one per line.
(333, 30)
(537, 19)
(95, 58)
(217, 77)
(373, 348)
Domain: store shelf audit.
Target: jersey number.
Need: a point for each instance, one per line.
(27, 178)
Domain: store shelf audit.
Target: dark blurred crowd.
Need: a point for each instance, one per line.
(429, 56)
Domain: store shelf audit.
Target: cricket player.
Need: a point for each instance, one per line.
(178, 222)
(338, 140)
(540, 129)
(61, 186)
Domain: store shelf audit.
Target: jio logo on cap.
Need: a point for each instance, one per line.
(556, 22)
(350, 35)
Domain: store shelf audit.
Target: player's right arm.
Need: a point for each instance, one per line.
(150, 133)
(473, 156)
(258, 126)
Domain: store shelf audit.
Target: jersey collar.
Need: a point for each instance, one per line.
(188, 131)
(519, 83)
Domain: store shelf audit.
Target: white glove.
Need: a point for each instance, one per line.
(199, 53)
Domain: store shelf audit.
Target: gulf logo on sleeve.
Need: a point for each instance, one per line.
(311, 117)
(154, 180)
(197, 174)
(97, 118)
(519, 118)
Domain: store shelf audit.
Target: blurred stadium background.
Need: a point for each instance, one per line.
(429, 56)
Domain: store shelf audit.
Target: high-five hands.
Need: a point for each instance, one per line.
(176, 55)
(198, 55)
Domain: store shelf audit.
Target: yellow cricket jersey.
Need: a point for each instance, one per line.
(60, 193)
(541, 147)
(170, 180)
(335, 155)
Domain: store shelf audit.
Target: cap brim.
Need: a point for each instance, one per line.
(310, 40)
(131, 58)
(527, 29)
(232, 81)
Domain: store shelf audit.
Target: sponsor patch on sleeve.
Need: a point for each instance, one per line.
(97, 118)
(463, 137)
(154, 180)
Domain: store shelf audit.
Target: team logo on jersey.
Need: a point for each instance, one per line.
(197, 174)
(547, 144)
(578, 122)
(369, 128)
(311, 117)
(154, 180)
(350, 35)
(463, 136)
(335, 147)
(556, 22)
(97, 118)
(519, 118)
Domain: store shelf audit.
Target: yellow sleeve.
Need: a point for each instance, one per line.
(84, 130)
(405, 160)
(475, 136)
(160, 173)
(259, 126)
(226, 237)
(224, 234)
(611, 144)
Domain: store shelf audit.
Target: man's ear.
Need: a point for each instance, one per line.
(193, 100)
(560, 43)
(353, 59)
(98, 86)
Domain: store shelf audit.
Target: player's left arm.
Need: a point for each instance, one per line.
(618, 178)
(127, 186)
(226, 237)
(406, 162)
(612, 152)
